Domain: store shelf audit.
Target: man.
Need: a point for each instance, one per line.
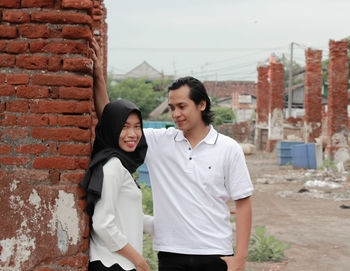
(194, 170)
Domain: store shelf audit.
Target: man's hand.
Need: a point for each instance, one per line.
(234, 263)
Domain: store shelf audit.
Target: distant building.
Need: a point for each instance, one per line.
(239, 95)
(144, 70)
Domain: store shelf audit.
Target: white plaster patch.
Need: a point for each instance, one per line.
(13, 186)
(276, 124)
(34, 199)
(65, 214)
(18, 248)
(342, 155)
(339, 139)
(309, 128)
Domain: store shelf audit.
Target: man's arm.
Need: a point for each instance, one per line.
(100, 87)
(243, 229)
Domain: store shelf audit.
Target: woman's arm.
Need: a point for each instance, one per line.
(131, 254)
(100, 87)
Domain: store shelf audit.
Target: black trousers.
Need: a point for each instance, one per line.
(183, 262)
(98, 266)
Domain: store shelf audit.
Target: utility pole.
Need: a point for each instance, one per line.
(290, 81)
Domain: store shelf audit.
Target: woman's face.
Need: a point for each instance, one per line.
(131, 133)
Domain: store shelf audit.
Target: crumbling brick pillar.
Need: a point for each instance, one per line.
(338, 76)
(45, 131)
(313, 95)
(262, 107)
(276, 91)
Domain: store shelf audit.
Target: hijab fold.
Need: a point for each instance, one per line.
(106, 146)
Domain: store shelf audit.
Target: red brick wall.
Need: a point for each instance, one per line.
(227, 88)
(337, 116)
(313, 95)
(275, 105)
(45, 130)
(262, 96)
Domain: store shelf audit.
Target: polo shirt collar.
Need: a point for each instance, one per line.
(211, 137)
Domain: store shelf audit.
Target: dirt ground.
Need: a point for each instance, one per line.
(312, 221)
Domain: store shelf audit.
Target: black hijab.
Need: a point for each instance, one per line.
(106, 146)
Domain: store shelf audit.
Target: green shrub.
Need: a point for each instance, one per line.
(148, 253)
(264, 248)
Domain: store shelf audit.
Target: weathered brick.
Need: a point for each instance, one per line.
(6, 90)
(17, 106)
(76, 32)
(32, 120)
(76, 121)
(31, 175)
(75, 93)
(7, 61)
(54, 63)
(75, 149)
(18, 160)
(83, 4)
(2, 107)
(60, 107)
(32, 92)
(7, 31)
(2, 78)
(7, 120)
(2, 45)
(54, 92)
(54, 176)
(83, 65)
(31, 62)
(60, 163)
(60, 47)
(53, 120)
(56, 33)
(61, 80)
(16, 133)
(37, 3)
(37, 46)
(61, 134)
(74, 177)
(17, 47)
(53, 149)
(60, 17)
(10, 3)
(5, 149)
(17, 79)
(31, 149)
(33, 31)
(15, 16)
(74, 261)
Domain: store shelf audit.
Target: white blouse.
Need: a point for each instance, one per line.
(118, 218)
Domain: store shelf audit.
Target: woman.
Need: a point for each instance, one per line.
(114, 199)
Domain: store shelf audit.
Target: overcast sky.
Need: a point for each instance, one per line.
(219, 39)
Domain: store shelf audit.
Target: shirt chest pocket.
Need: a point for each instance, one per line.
(213, 181)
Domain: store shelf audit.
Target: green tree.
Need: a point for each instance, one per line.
(223, 114)
(136, 90)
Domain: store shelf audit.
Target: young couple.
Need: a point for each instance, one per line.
(194, 171)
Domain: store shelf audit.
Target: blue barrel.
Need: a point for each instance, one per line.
(304, 156)
(284, 151)
(143, 174)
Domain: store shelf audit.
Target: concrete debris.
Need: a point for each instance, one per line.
(325, 184)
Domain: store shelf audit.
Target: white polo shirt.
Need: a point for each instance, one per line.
(191, 188)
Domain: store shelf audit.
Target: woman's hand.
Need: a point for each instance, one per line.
(97, 57)
(136, 258)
